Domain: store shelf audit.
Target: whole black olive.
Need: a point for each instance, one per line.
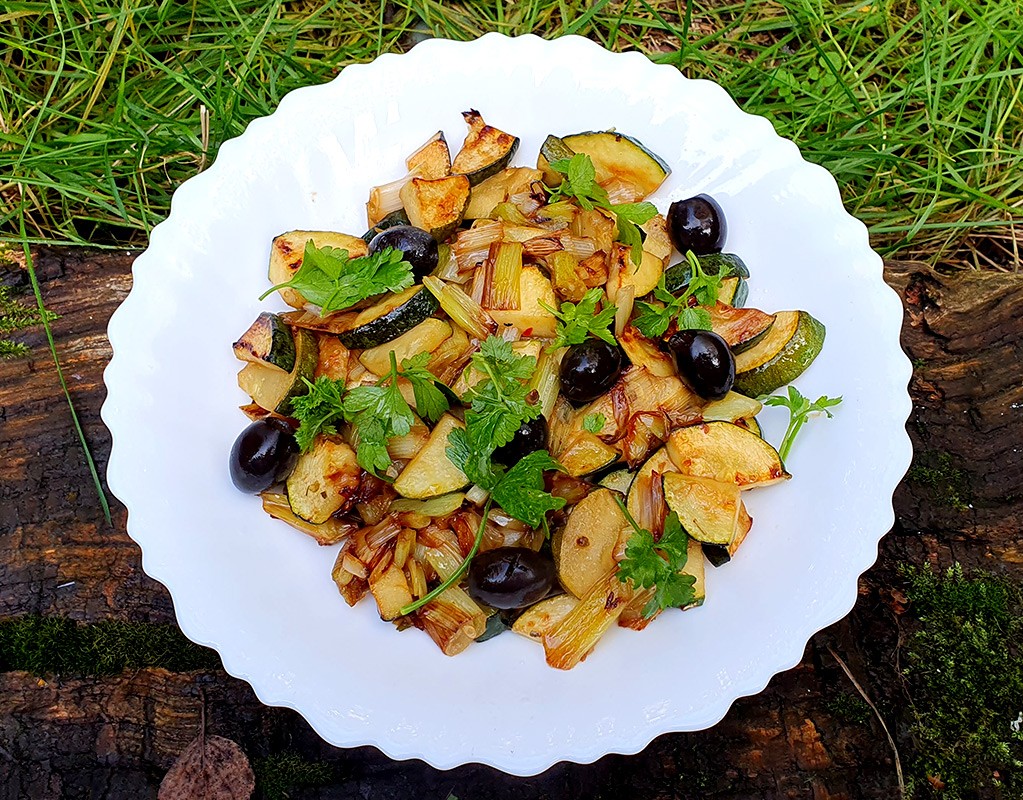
(263, 454)
(510, 577)
(531, 436)
(705, 362)
(419, 247)
(697, 224)
(590, 369)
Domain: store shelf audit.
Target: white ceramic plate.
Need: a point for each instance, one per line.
(261, 594)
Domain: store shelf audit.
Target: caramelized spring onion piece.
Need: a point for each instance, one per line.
(546, 380)
(504, 290)
(466, 312)
(455, 576)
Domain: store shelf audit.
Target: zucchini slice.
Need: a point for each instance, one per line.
(288, 249)
(584, 549)
(618, 480)
(485, 151)
(425, 337)
(436, 206)
(708, 509)
(553, 149)
(718, 554)
(329, 532)
(741, 328)
(623, 272)
(725, 452)
(531, 318)
(272, 388)
(496, 189)
(676, 277)
(394, 315)
(267, 341)
(792, 344)
(615, 155)
(324, 480)
(392, 220)
(430, 472)
(734, 292)
(432, 160)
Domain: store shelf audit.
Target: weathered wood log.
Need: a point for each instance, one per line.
(113, 737)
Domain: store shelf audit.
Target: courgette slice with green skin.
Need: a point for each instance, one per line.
(728, 265)
(267, 341)
(553, 149)
(436, 206)
(274, 389)
(741, 328)
(615, 155)
(618, 480)
(323, 480)
(708, 509)
(725, 452)
(432, 160)
(385, 321)
(392, 220)
(718, 554)
(485, 151)
(431, 473)
(734, 292)
(792, 344)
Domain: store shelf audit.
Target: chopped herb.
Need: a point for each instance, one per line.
(653, 321)
(318, 411)
(575, 323)
(800, 408)
(594, 423)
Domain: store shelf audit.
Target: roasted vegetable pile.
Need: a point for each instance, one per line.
(523, 398)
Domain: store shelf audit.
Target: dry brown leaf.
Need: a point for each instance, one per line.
(210, 768)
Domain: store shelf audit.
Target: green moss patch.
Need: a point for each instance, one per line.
(280, 773)
(948, 483)
(48, 645)
(965, 675)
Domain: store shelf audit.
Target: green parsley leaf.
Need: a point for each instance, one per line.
(574, 323)
(657, 564)
(579, 182)
(704, 287)
(695, 318)
(318, 411)
(331, 280)
(652, 321)
(431, 402)
(379, 413)
(800, 408)
(594, 423)
(628, 217)
(520, 492)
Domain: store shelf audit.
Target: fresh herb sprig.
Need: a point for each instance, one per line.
(379, 413)
(594, 423)
(800, 408)
(652, 321)
(658, 564)
(580, 182)
(520, 493)
(574, 323)
(331, 280)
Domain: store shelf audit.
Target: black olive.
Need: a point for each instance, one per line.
(697, 224)
(589, 369)
(263, 454)
(510, 577)
(705, 362)
(419, 247)
(531, 436)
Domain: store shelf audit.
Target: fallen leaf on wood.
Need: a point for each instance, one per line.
(210, 768)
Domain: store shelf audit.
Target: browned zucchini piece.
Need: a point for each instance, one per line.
(584, 549)
(718, 554)
(430, 472)
(792, 344)
(708, 509)
(741, 328)
(425, 337)
(432, 160)
(272, 388)
(553, 149)
(323, 480)
(288, 249)
(727, 453)
(485, 151)
(616, 155)
(438, 205)
(267, 341)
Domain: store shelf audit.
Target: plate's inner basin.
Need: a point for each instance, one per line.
(262, 593)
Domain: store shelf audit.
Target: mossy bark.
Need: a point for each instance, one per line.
(114, 736)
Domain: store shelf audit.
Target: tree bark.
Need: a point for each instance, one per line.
(114, 737)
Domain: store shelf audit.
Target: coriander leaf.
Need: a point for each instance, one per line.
(656, 564)
(652, 321)
(594, 423)
(318, 411)
(800, 408)
(331, 280)
(431, 402)
(520, 492)
(694, 318)
(574, 323)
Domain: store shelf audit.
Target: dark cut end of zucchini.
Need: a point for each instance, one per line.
(394, 315)
(728, 265)
(267, 341)
(485, 151)
(716, 554)
(553, 149)
(392, 220)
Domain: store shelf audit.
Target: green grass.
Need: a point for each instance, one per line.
(54, 645)
(916, 108)
(965, 677)
(281, 773)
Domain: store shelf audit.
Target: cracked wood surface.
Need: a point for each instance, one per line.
(114, 737)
